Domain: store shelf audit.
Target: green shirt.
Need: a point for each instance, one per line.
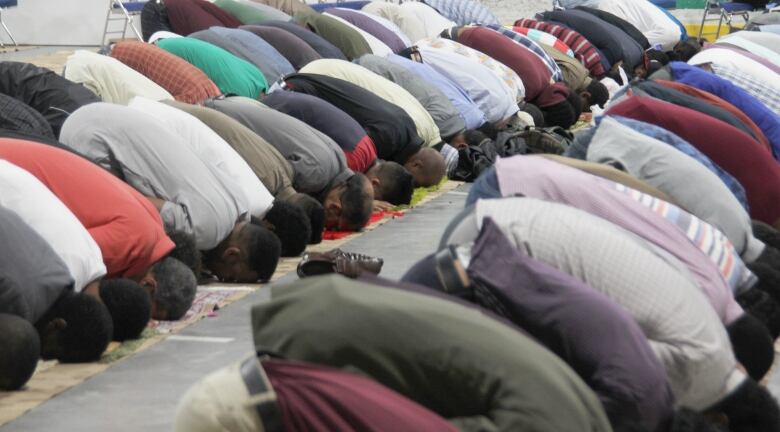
(345, 38)
(249, 14)
(475, 371)
(230, 73)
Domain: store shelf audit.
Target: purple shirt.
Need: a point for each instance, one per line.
(594, 335)
(540, 178)
(370, 26)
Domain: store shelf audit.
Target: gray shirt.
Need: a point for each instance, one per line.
(681, 326)
(686, 181)
(444, 113)
(199, 200)
(32, 276)
(318, 163)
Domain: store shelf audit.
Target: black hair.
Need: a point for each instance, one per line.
(290, 223)
(762, 306)
(314, 211)
(129, 305)
(768, 279)
(576, 104)
(752, 344)
(535, 113)
(560, 114)
(356, 203)
(489, 129)
(684, 50)
(687, 420)
(21, 349)
(599, 95)
(766, 233)
(88, 331)
(176, 286)
(263, 250)
(657, 55)
(186, 250)
(396, 183)
(750, 408)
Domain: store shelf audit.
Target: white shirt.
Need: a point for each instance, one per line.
(647, 18)
(491, 94)
(24, 194)
(732, 59)
(110, 79)
(404, 18)
(433, 22)
(681, 326)
(382, 87)
(377, 46)
(212, 150)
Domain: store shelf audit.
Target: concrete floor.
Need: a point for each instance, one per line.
(140, 393)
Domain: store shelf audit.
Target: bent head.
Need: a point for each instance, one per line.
(248, 255)
(391, 182)
(686, 49)
(749, 407)
(595, 94)
(128, 303)
(291, 225)
(186, 250)
(21, 349)
(753, 345)
(561, 114)
(314, 211)
(78, 328)
(427, 166)
(348, 206)
(171, 286)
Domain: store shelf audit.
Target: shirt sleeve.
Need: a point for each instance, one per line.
(176, 218)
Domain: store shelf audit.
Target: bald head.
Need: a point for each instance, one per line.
(427, 166)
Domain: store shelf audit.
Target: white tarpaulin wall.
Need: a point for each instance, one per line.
(59, 22)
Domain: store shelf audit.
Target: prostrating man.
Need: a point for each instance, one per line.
(273, 170)
(124, 224)
(736, 152)
(182, 80)
(384, 88)
(36, 286)
(681, 326)
(390, 181)
(230, 73)
(48, 93)
(494, 97)
(319, 166)
(324, 48)
(436, 103)
(470, 114)
(537, 177)
(578, 79)
(347, 39)
(586, 52)
(369, 24)
(128, 303)
(390, 127)
(540, 88)
(249, 13)
(250, 47)
(615, 44)
(471, 369)
(189, 196)
(404, 18)
(290, 224)
(591, 333)
(21, 351)
(689, 183)
(292, 47)
(302, 397)
(110, 79)
(189, 16)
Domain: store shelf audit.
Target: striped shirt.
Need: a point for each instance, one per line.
(706, 237)
(525, 41)
(769, 96)
(585, 51)
(545, 39)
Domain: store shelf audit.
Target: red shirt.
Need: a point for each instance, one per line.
(125, 225)
(363, 156)
(735, 151)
